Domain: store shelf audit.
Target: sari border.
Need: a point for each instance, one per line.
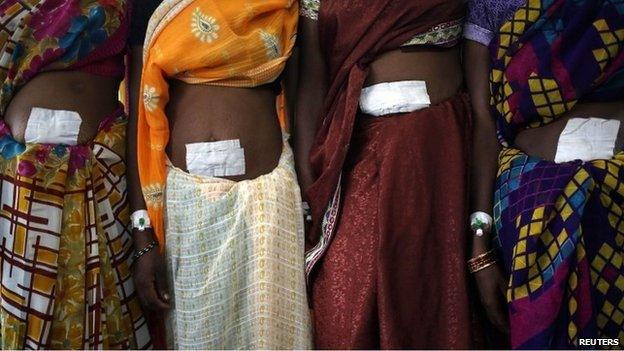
(328, 228)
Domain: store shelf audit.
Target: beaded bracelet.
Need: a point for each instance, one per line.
(482, 261)
(145, 250)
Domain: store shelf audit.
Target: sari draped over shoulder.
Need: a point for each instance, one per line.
(559, 224)
(352, 36)
(65, 243)
(227, 43)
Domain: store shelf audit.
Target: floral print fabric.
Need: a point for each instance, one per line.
(65, 246)
(38, 36)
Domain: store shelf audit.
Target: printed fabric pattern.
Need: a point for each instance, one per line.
(37, 35)
(66, 246)
(561, 229)
(552, 54)
(235, 255)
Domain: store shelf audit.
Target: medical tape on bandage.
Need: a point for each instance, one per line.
(216, 159)
(587, 139)
(47, 126)
(394, 97)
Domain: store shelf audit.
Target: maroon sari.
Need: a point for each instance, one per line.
(390, 195)
(352, 35)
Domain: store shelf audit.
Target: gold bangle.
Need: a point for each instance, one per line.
(487, 253)
(482, 261)
(482, 267)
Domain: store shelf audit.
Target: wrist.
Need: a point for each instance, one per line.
(143, 237)
(140, 220)
(480, 245)
(480, 224)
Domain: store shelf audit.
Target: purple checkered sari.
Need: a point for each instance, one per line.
(560, 226)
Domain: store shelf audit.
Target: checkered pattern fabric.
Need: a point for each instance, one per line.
(561, 230)
(551, 54)
(65, 246)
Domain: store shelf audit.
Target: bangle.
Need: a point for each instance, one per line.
(480, 223)
(144, 250)
(482, 261)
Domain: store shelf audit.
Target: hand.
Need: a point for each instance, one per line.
(492, 287)
(149, 274)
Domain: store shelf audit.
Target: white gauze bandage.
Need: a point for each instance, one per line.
(587, 139)
(216, 159)
(394, 97)
(52, 127)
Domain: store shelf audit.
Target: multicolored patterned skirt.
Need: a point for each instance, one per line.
(65, 245)
(561, 230)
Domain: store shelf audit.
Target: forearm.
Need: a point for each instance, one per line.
(305, 125)
(135, 195)
(483, 165)
(311, 89)
(483, 170)
(485, 146)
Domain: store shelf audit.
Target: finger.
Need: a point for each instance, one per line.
(501, 320)
(162, 289)
(154, 302)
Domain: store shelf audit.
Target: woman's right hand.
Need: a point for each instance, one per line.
(492, 290)
(150, 275)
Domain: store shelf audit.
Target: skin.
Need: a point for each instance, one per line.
(440, 69)
(541, 142)
(200, 113)
(93, 97)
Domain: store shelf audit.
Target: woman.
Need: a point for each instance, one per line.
(65, 245)
(208, 133)
(556, 78)
(386, 182)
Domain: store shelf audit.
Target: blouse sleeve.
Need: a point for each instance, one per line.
(141, 13)
(478, 26)
(310, 9)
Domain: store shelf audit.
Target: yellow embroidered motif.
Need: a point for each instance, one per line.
(204, 27)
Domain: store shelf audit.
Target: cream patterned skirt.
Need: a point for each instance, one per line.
(235, 255)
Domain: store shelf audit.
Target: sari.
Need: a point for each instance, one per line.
(234, 250)
(348, 51)
(559, 224)
(254, 57)
(64, 221)
(386, 258)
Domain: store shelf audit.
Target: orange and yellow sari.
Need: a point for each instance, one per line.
(225, 43)
(235, 251)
